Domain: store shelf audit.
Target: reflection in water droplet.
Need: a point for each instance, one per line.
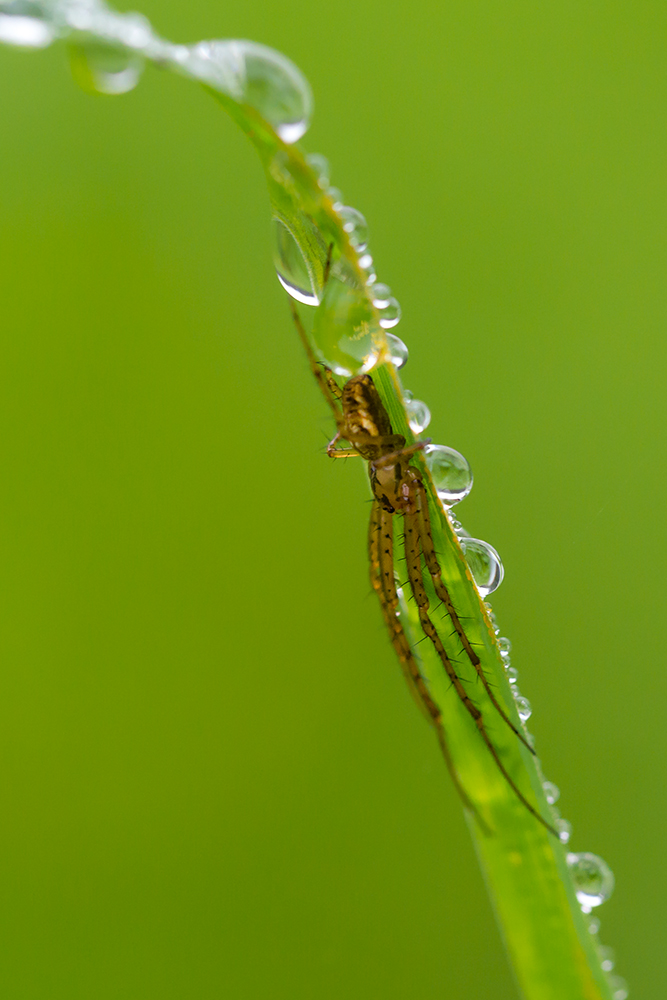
(104, 69)
(398, 351)
(450, 472)
(594, 926)
(320, 165)
(607, 957)
(593, 879)
(551, 791)
(484, 563)
(419, 415)
(390, 314)
(512, 675)
(26, 32)
(293, 272)
(564, 828)
(523, 707)
(258, 76)
(619, 988)
(355, 226)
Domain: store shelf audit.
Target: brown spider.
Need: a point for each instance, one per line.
(398, 488)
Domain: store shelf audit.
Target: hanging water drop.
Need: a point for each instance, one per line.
(381, 295)
(390, 314)
(593, 879)
(24, 31)
(320, 166)
(293, 272)
(103, 69)
(397, 350)
(551, 791)
(512, 675)
(505, 647)
(258, 76)
(564, 828)
(419, 415)
(336, 196)
(523, 707)
(355, 226)
(607, 957)
(485, 564)
(594, 926)
(619, 988)
(366, 265)
(450, 472)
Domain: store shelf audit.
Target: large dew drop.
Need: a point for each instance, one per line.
(593, 879)
(450, 473)
(293, 272)
(484, 563)
(258, 76)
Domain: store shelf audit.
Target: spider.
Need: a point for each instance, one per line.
(398, 489)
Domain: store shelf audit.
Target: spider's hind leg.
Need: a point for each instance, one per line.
(381, 557)
(433, 566)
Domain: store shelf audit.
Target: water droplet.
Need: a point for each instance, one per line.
(336, 196)
(320, 165)
(505, 647)
(512, 675)
(258, 76)
(551, 791)
(390, 314)
(419, 415)
(564, 828)
(607, 958)
(619, 988)
(593, 879)
(366, 264)
(398, 351)
(355, 226)
(344, 329)
(25, 32)
(484, 563)
(523, 707)
(450, 472)
(293, 272)
(594, 926)
(381, 295)
(103, 69)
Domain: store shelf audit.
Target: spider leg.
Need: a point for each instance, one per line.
(322, 374)
(431, 560)
(394, 456)
(413, 557)
(381, 557)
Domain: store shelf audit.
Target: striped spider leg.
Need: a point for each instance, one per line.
(363, 422)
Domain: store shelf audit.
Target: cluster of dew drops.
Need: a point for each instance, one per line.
(116, 47)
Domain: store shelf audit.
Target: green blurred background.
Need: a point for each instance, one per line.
(213, 782)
